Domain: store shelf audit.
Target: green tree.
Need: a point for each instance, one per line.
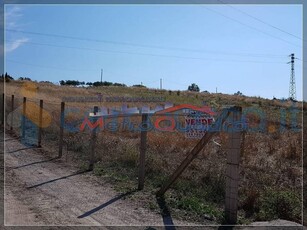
(6, 77)
(140, 86)
(70, 82)
(238, 93)
(193, 87)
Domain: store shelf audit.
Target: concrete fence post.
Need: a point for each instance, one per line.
(143, 151)
(93, 142)
(232, 168)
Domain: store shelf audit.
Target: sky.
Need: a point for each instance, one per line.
(222, 48)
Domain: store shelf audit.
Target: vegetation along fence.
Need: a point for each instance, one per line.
(47, 124)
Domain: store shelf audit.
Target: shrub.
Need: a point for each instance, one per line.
(129, 157)
(260, 103)
(249, 204)
(198, 207)
(276, 204)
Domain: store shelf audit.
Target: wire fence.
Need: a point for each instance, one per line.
(117, 141)
(118, 145)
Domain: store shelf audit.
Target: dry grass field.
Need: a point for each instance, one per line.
(271, 162)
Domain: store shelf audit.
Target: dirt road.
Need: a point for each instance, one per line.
(45, 191)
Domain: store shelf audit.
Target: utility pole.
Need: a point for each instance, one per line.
(292, 87)
(160, 83)
(101, 75)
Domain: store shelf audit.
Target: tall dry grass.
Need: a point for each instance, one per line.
(271, 161)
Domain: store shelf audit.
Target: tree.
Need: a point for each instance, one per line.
(24, 79)
(140, 86)
(6, 77)
(238, 93)
(97, 83)
(193, 87)
(119, 84)
(104, 83)
(70, 82)
(46, 82)
(107, 83)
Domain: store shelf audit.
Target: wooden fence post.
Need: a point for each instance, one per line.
(232, 169)
(143, 151)
(93, 143)
(12, 109)
(198, 147)
(39, 138)
(23, 125)
(2, 109)
(61, 129)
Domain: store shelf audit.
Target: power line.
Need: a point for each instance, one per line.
(251, 27)
(157, 55)
(259, 20)
(147, 46)
(47, 67)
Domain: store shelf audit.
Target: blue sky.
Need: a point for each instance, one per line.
(214, 46)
